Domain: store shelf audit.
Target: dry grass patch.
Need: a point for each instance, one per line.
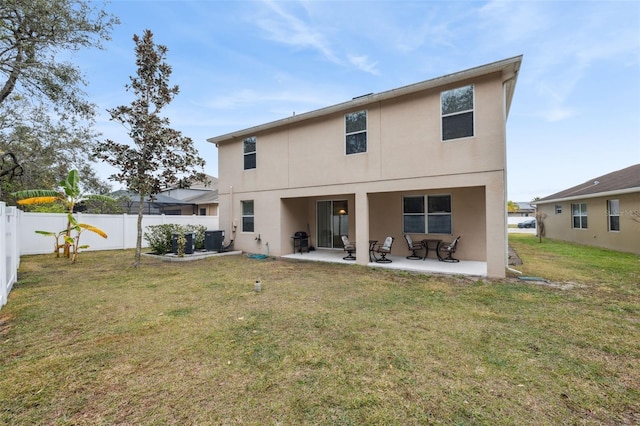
(191, 343)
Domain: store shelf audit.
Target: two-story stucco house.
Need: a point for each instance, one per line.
(428, 159)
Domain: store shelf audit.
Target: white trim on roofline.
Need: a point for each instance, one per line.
(594, 195)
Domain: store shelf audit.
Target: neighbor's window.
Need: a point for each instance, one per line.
(457, 113)
(247, 216)
(249, 149)
(579, 215)
(413, 215)
(558, 208)
(355, 127)
(613, 211)
(436, 219)
(439, 214)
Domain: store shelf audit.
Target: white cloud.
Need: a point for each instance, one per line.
(289, 29)
(557, 113)
(250, 98)
(363, 63)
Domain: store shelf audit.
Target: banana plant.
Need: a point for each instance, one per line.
(69, 194)
(72, 240)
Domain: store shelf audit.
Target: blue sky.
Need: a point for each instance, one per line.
(575, 113)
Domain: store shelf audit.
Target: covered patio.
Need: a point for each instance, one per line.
(399, 262)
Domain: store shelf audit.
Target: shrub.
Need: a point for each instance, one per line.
(199, 230)
(159, 236)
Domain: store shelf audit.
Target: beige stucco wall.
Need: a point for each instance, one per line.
(559, 226)
(299, 163)
(403, 141)
(280, 213)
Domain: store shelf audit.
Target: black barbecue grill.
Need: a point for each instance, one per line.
(300, 242)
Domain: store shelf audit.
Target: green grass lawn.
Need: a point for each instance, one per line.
(99, 342)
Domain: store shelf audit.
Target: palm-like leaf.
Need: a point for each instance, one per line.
(71, 184)
(93, 229)
(47, 233)
(98, 197)
(33, 193)
(70, 196)
(38, 200)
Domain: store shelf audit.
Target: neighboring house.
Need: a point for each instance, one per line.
(201, 197)
(156, 204)
(524, 210)
(603, 212)
(426, 159)
(206, 203)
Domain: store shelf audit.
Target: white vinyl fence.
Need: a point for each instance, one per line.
(18, 229)
(121, 229)
(9, 250)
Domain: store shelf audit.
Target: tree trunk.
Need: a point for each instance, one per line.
(67, 247)
(139, 236)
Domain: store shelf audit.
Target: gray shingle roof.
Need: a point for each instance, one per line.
(615, 181)
(210, 197)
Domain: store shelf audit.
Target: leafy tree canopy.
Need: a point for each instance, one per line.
(46, 149)
(158, 156)
(32, 33)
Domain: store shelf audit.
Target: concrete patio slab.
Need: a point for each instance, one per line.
(427, 266)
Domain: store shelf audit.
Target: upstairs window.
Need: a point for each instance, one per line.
(579, 215)
(613, 211)
(457, 113)
(355, 125)
(249, 149)
(247, 216)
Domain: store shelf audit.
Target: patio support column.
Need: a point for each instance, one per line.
(362, 228)
(496, 228)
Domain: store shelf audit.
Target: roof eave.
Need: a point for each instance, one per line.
(509, 68)
(592, 195)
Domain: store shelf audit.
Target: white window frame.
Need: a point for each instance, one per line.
(582, 214)
(254, 153)
(611, 214)
(444, 115)
(422, 214)
(347, 134)
(449, 213)
(247, 216)
(426, 214)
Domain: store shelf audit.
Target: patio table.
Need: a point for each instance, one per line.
(430, 244)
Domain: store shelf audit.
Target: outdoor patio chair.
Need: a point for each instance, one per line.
(383, 250)
(349, 247)
(446, 250)
(413, 247)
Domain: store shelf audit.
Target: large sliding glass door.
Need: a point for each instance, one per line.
(333, 222)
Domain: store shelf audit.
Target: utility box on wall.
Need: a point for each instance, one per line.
(214, 240)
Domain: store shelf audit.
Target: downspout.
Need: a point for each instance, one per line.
(506, 195)
(233, 228)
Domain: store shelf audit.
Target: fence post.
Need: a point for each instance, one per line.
(4, 286)
(9, 255)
